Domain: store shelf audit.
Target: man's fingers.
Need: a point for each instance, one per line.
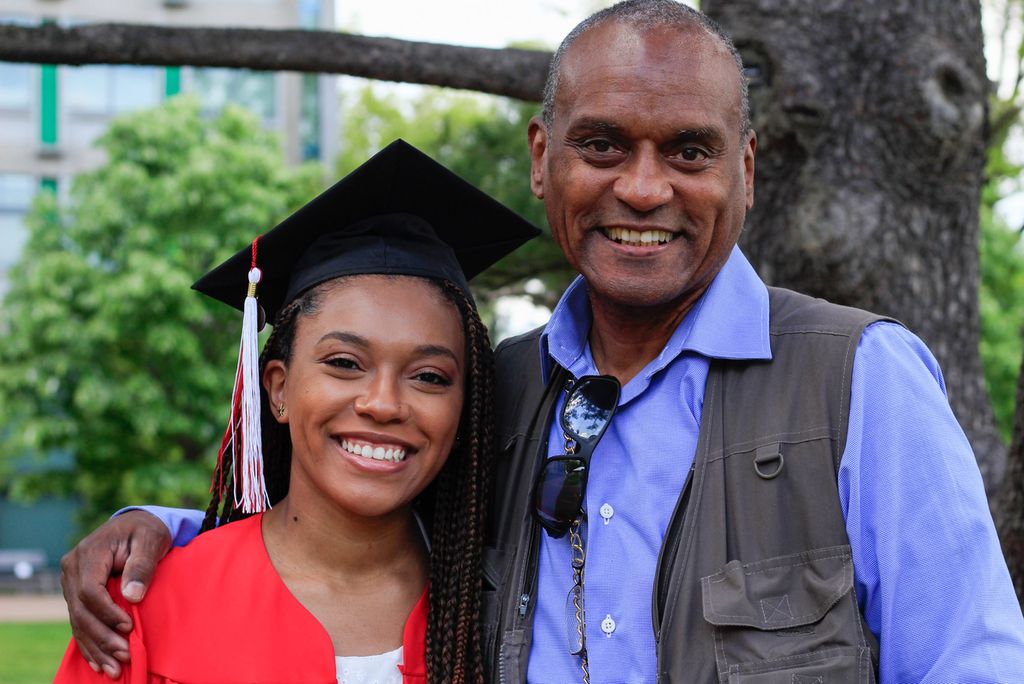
(94, 601)
(132, 543)
(95, 641)
(150, 541)
(84, 573)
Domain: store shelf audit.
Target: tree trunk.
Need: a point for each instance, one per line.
(871, 123)
(509, 72)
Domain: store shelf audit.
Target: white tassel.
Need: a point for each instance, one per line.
(249, 469)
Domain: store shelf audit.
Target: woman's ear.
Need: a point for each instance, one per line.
(274, 377)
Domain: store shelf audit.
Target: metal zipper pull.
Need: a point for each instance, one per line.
(524, 601)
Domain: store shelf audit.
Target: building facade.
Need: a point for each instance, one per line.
(51, 115)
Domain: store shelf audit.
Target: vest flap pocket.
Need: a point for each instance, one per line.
(778, 593)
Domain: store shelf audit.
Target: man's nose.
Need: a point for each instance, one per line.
(644, 183)
(381, 400)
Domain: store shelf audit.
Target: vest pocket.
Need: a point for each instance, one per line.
(788, 620)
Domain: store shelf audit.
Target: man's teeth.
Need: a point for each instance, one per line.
(376, 453)
(638, 238)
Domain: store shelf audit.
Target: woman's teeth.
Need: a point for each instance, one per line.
(376, 453)
(638, 238)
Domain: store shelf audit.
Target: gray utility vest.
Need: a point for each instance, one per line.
(755, 577)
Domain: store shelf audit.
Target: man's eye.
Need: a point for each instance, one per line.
(692, 154)
(601, 146)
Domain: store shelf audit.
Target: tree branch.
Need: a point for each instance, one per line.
(509, 72)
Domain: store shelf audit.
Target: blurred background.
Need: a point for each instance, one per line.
(119, 185)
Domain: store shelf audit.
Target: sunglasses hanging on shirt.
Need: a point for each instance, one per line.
(560, 487)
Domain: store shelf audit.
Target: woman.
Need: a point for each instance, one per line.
(376, 405)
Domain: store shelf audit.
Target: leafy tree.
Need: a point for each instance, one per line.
(107, 353)
(1002, 251)
(484, 141)
(1002, 282)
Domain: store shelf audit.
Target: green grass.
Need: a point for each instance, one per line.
(31, 651)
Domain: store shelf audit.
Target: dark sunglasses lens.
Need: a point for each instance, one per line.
(589, 408)
(559, 491)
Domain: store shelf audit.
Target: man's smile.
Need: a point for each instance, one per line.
(638, 238)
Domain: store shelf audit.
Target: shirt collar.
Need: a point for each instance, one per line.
(729, 321)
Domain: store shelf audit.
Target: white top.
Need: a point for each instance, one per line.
(374, 669)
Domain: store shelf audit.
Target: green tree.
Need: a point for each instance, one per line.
(483, 139)
(107, 353)
(1002, 282)
(1002, 250)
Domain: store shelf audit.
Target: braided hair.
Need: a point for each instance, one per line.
(453, 506)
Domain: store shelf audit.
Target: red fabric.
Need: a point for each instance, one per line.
(218, 612)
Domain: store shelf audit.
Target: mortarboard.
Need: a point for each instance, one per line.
(399, 213)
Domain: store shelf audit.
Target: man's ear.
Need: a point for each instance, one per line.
(274, 376)
(748, 167)
(537, 134)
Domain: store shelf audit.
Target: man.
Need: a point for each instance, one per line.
(782, 493)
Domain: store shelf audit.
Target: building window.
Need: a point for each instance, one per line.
(110, 90)
(309, 122)
(253, 90)
(309, 14)
(16, 192)
(15, 86)
(17, 80)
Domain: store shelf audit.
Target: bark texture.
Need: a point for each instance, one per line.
(871, 123)
(509, 72)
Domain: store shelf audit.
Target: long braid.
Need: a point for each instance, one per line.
(454, 650)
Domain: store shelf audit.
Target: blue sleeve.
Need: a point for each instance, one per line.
(183, 523)
(930, 575)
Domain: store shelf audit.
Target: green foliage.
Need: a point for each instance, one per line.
(1001, 249)
(107, 353)
(1001, 299)
(483, 139)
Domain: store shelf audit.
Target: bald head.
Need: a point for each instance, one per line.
(643, 16)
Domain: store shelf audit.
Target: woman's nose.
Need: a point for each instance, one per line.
(382, 401)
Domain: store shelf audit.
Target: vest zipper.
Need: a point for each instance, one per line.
(667, 554)
(527, 568)
(528, 571)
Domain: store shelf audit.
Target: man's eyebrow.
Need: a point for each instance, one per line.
(708, 135)
(593, 124)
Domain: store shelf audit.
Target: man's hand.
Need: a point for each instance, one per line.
(131, 544)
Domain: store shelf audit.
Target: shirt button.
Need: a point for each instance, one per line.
(608, 625)
(606, 512)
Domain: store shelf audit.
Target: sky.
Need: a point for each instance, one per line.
(481, 23)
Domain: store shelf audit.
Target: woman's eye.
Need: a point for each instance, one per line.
(342, 362)
(431, 378)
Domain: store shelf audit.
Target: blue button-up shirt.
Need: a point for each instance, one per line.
(930, 576)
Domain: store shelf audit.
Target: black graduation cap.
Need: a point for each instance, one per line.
(399, 213)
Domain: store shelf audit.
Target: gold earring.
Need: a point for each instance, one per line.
(280, 411)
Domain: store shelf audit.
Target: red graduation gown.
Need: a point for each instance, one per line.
(218, 612)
